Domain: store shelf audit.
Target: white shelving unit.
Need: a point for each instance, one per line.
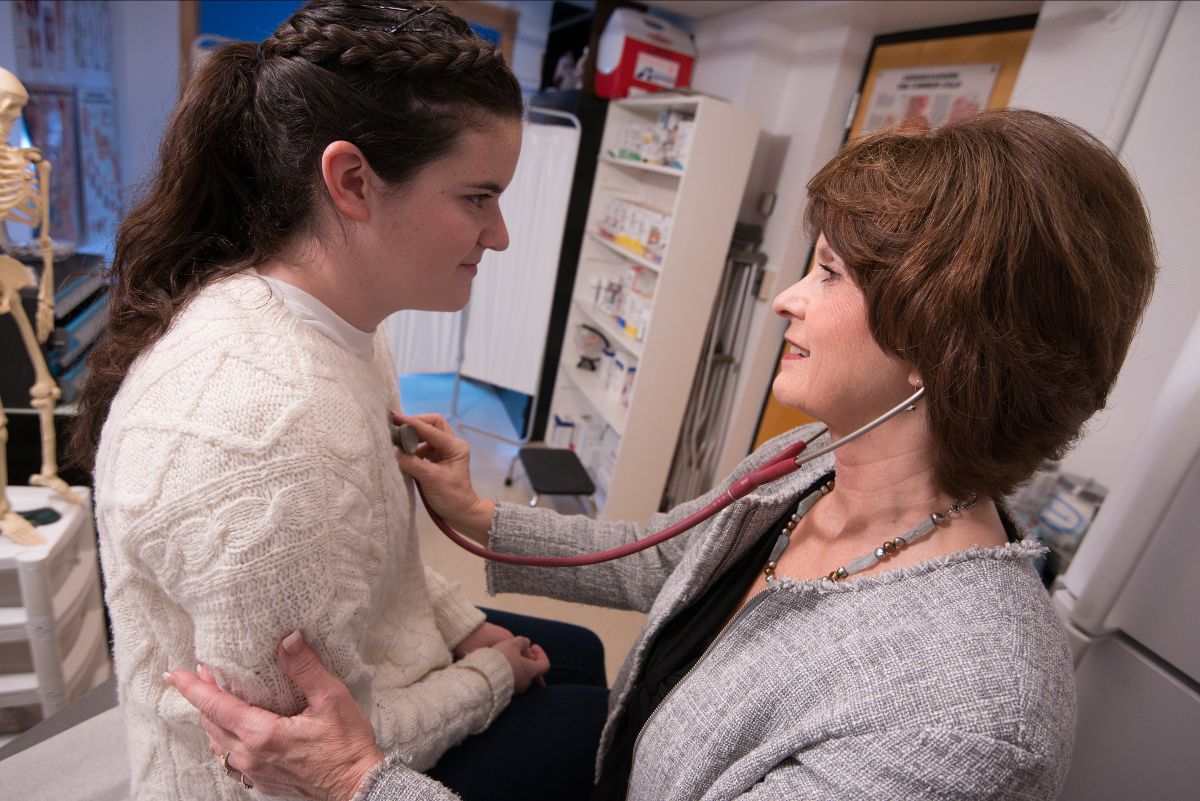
(703, 199)
(52, 636)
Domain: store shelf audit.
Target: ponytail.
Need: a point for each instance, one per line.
(188, 230)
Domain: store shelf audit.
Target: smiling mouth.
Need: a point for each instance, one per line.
(796, 350)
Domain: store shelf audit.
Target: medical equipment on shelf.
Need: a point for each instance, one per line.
(789, 460)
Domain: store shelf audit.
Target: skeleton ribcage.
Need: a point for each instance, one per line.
(18, 192)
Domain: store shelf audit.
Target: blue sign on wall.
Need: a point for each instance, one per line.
(246, 20)
(255, 20)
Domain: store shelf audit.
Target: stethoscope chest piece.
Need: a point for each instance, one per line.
(404, 436)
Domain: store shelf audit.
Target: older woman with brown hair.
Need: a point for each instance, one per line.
(901, 646)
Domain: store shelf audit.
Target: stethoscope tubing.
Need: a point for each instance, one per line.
(786, 462)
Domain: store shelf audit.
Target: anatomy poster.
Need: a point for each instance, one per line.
(65, 56)
(50, 123)
(99, 160)
(63, 42)
(929, 96)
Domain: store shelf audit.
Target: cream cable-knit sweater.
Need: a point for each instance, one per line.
(245, 487)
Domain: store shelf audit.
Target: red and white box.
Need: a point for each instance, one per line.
(639, 54)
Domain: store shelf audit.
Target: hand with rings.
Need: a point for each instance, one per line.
(323, 753)
(224, 760)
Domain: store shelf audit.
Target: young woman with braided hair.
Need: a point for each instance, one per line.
(345, 168)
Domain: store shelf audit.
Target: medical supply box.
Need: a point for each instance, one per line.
(639, 54)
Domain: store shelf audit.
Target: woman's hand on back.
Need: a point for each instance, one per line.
(323, 753)
(442, 465)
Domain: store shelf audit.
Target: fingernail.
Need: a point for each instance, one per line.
(291, 643)
(167, 678)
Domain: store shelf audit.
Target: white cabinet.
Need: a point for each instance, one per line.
(657, 240)
(53, 646)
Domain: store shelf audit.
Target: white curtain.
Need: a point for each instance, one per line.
(425, 342)
(509, 311)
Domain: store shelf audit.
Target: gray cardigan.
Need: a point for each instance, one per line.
(950, 679)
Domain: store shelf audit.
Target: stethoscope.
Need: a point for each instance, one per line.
(786, 462)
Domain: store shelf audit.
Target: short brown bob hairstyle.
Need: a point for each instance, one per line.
(1008, 258)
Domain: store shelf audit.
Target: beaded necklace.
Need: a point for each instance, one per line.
(869, 559)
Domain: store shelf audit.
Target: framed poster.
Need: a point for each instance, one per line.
(929, 96)
(63, 42)
(52, 125)
(99, 164)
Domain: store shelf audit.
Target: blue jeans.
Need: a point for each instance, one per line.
(543, 746)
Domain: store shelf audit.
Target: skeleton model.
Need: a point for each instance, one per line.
(25, 199)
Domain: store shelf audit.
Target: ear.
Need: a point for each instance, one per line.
(347, 174)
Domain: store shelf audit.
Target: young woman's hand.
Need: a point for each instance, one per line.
(442, 464)
(529, 662)
(485, 636)
(323, 753)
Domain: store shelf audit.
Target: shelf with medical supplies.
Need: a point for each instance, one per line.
(618, 339)
(629, 163)
(622, 251)
(669, 183)
(655, 135)
(593, 387)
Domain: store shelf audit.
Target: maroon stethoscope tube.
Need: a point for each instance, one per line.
(785, 462)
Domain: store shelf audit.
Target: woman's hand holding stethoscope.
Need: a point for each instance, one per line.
(441, 463)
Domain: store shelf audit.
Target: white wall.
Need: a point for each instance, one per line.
(1089, 62)
(1160, 150)
(146, 76)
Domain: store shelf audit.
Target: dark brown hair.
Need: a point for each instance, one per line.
(239, 165)
(1007, 257)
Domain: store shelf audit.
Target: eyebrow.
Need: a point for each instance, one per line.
(824, 254)
(495, 188)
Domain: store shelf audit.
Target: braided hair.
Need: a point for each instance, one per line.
(238, 173)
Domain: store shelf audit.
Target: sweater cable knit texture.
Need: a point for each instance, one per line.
(245, 487)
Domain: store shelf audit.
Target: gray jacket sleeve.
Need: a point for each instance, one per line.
(629, 583)
(392, 781)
